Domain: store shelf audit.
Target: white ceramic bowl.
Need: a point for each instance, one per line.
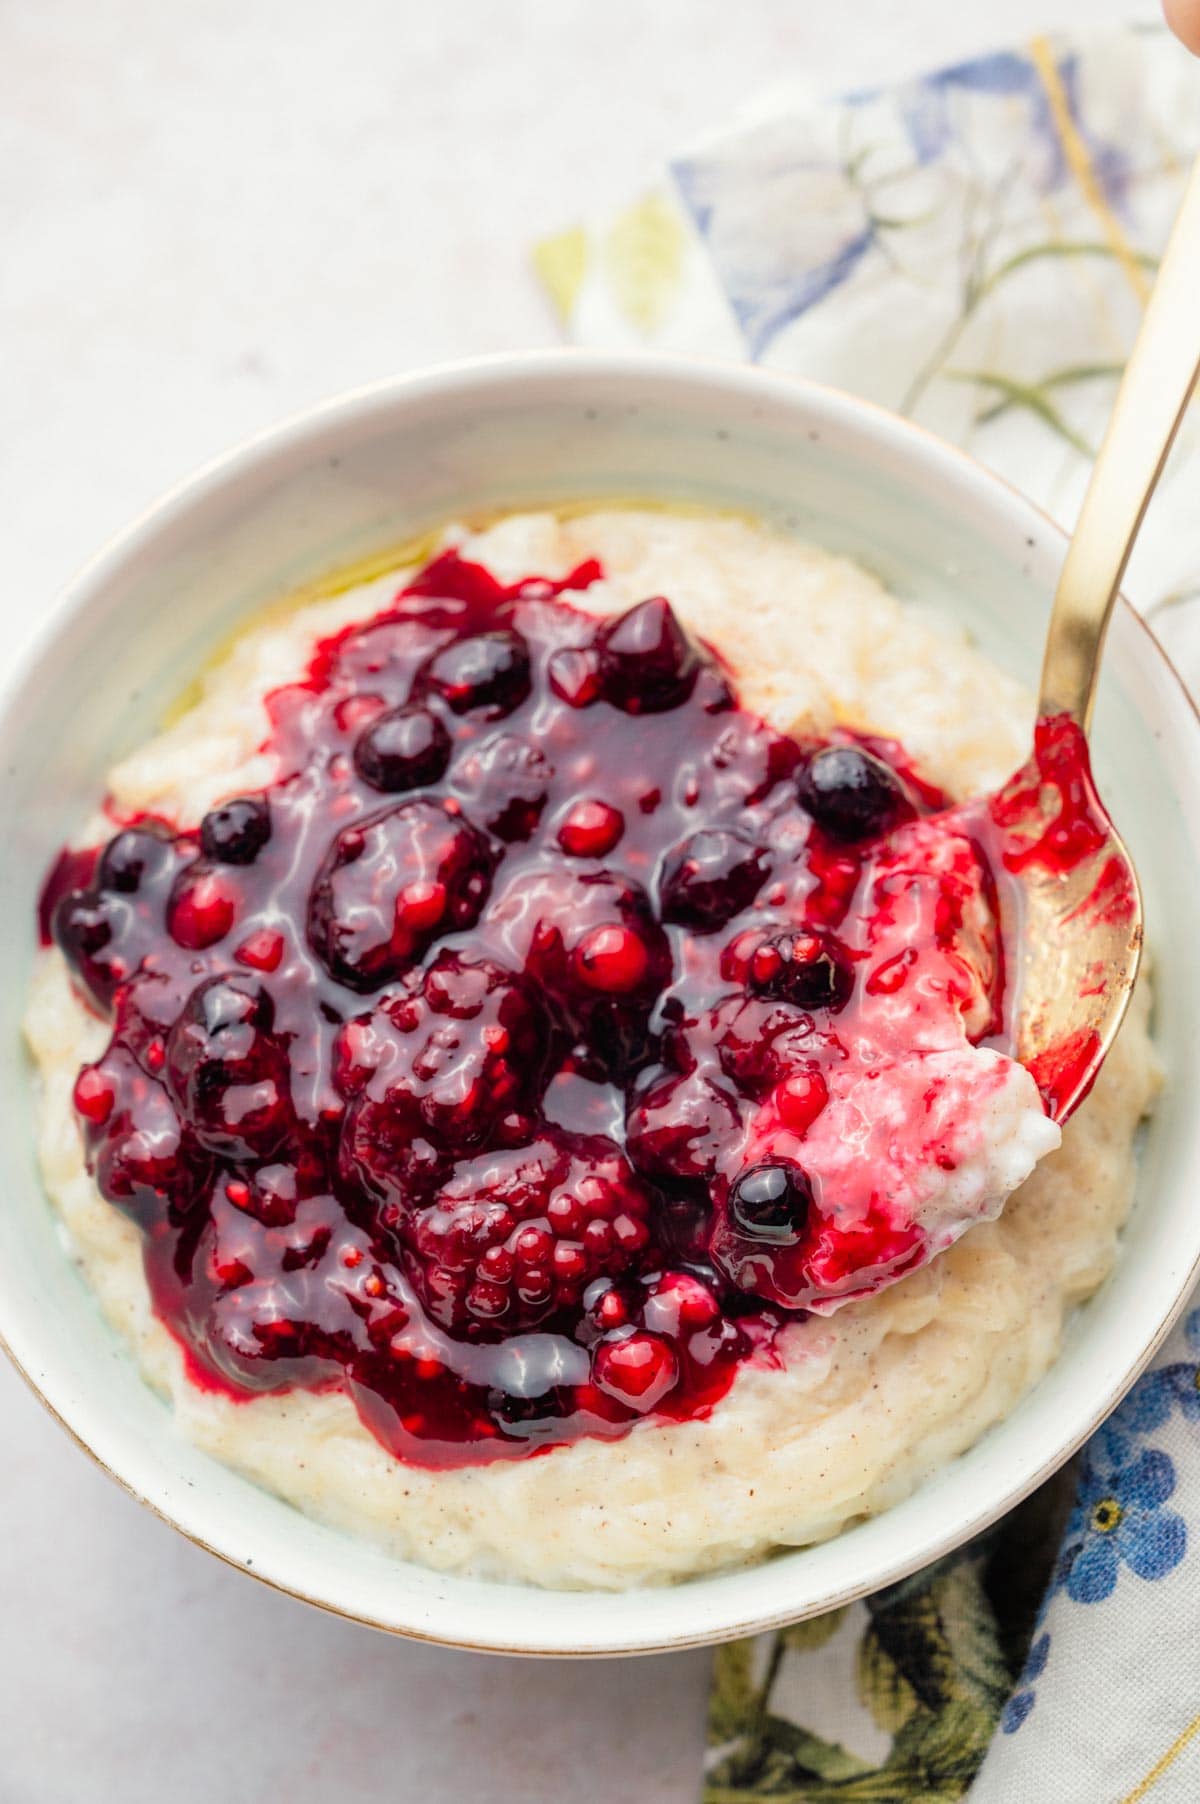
(374, 468)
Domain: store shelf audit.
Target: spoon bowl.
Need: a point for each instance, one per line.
(1071, 915)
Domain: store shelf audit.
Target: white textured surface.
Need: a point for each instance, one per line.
(212, 215)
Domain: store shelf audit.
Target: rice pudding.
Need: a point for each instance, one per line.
(515, 1058)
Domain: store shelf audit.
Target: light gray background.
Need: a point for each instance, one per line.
(211, 214)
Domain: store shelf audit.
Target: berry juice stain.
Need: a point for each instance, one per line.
(434, 1065)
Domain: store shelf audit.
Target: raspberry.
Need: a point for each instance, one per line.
(250, 1328)
(518, 1236)
(446, 1064)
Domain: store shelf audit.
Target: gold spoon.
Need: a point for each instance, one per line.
(1076, 942)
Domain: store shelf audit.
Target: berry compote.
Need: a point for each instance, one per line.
(480, 1064)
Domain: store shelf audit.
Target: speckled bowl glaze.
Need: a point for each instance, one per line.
(373, 469)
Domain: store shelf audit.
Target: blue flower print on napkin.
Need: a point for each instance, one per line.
(881, 186)
(1120, 1518)
(1178, 1385)
(1025, 1697)
(927, 110)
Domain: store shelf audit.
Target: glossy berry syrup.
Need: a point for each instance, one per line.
(470, 1065)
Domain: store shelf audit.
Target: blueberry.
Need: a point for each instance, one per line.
(710, 878)
(772, 1203)
(404, 749)
(133, 855)
(851, 793)
(489, 671)
(85, 926)
(237, 831)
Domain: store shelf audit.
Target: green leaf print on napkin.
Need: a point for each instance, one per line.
(941, 1713)
(561, 262)
(936, 1658)
(734, 1700)
(644, 260)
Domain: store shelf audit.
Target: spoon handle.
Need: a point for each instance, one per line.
(1153, 396)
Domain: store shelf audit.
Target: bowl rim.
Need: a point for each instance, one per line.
(345, 411)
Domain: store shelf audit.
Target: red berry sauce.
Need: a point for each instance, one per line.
(1050, 816)
(470, 1065)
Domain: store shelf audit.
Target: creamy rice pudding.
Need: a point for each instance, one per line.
(520, 1058)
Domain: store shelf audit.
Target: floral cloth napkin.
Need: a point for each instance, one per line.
(972, 247)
